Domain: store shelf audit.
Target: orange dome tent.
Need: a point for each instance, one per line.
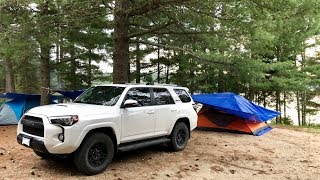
(211, 118)
(232, 112)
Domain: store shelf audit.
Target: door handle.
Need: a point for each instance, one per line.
(150, 112)
(174, 110)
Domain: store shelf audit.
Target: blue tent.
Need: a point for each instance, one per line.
(232, 112)
(17, 104)
(236, 105)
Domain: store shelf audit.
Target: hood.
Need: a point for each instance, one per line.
(71, 109)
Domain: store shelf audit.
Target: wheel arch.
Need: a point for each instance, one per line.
(105, 130)
(184, 120)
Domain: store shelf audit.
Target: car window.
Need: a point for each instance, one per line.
(183, 95)
(162, 96)
(142, 95)
(101, 95)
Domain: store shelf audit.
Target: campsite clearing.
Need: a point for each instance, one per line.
(279, 154)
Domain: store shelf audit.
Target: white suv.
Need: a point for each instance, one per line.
(109, 118)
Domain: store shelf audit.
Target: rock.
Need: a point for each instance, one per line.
(32, 173)
(3, 151)
(225, 145)
(304, 161)
(39, 175)
(33, 167)
(4, 167)
(196, 165)
(232, 171)
(197, 159)
(167, 175)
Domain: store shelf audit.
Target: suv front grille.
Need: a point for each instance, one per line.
(32, 125)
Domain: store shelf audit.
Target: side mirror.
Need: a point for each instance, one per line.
(130, 103)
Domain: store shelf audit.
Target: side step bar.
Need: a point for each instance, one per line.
(141, 144)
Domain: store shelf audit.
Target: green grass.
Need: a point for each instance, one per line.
(310, 129)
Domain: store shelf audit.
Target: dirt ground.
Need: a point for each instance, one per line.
(279, 154)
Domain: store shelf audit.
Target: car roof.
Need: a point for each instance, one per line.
(146, 85)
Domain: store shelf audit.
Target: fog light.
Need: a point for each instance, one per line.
(61, 137)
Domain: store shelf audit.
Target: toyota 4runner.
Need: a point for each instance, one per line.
(109, 118)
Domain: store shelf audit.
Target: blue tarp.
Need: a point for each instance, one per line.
(236, 105)
(18, 104)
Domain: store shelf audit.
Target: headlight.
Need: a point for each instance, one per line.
(64, 120)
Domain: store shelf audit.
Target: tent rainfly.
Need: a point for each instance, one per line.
(17, 104)
(233, 112)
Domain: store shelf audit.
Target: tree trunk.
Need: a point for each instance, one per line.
(90, 69)
(158, 64)
(45, 75)
(73, 68)
(59, 56)
(264, 99)
(10, 85)
(285, 104)
(138, 65)
(121, 42)
(298, 108)
(303, 108)
(44, 55)
(277, 105)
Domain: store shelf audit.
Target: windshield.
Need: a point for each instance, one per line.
(101, 95)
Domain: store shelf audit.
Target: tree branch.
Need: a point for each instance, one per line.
(185, 32)
(152, 5)
(153, 29)
(186, 50)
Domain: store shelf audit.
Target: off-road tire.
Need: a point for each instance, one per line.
(94, 154)
(179, 137)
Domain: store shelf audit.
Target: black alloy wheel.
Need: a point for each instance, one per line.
(97, 154)
(94, 154)
(179, 136)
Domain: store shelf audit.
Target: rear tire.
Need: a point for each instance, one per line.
(179, 136)
(94, 154)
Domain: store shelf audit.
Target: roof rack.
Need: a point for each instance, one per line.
(160, 84)
(152, 83)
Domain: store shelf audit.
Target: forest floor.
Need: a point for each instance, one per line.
(282, 153)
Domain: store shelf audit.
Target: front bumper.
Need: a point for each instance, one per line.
(35, 143)
(50, 142)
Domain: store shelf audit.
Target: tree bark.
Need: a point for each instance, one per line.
(138, 64)
(277, 106)
(298, 107)
(121, 42)
(90, 68)
(285, 104)
(73, 68)
(167, 73)
(44, 54)
(158, 63)
(303, 108)
(10, 84)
